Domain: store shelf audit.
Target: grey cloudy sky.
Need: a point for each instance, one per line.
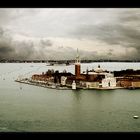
(56, 33)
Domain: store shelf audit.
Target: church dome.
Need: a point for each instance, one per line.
(98, 70)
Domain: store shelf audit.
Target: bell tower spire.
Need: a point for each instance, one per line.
(77, 57)
(77, 65)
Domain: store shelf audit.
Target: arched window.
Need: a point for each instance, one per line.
(109, 83)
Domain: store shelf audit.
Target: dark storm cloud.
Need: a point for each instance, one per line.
(24, 49)
(5, 47)
(11, 49)
(130, 15)
(5, 51)
(122, 29)
(112, 34)
(125, 32)
(46, 43)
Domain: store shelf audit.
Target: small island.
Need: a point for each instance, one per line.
(89, 79)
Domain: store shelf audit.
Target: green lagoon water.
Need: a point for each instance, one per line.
(38, 109)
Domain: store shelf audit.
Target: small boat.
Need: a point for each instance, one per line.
(135, 117)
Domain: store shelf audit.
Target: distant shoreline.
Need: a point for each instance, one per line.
(64, 61)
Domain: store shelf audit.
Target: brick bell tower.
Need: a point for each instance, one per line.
(77, 65)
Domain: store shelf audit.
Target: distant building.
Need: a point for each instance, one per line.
(99, 78)
(136, 84)
(128, 82)
(63, 80)
(89, 85)
(109, 82)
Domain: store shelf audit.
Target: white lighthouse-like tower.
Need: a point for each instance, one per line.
(73, 85)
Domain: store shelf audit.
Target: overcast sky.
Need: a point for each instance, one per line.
(56, 33)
